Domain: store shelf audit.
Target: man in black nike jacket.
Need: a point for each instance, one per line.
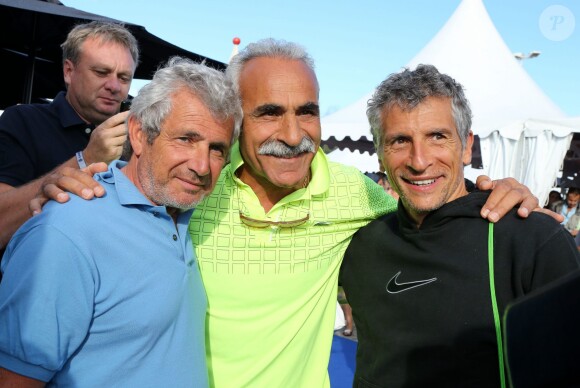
(428, 285)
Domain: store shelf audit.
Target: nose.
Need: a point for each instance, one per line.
(113, 84)
(419, 159)
(199, 162)
(291, 132)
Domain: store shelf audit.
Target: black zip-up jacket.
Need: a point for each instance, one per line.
(421, 296)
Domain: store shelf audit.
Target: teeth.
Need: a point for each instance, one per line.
(423, 183)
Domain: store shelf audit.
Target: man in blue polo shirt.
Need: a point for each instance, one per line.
(79, 127)
(108, 292)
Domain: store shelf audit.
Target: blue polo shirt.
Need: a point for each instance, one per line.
(36, 138)
(104, 293)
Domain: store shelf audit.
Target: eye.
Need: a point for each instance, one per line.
(438, 136)
(217, 151)
(399, 140)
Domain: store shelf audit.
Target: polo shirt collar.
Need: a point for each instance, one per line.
(129, 195)
(67, 115)
(126, 190)
(319, 182)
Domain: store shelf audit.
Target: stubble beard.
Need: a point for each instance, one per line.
(159, 193)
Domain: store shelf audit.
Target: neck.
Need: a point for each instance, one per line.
(267, 193)
(173, 212)
(71, 103)
(130, 171)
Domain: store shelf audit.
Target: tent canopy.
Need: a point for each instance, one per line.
(517, 123)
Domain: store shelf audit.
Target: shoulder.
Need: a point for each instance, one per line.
(20, 117)
(351, 185)
(219, 197)
(380, 229)
(341, 173)
(536, 227)
(75, 212)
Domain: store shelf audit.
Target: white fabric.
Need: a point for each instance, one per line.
(339, 321)
(364, 162)
(535, 161)
(517, 123)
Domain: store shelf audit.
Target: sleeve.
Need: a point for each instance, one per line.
(574, 222)
(16, 164)
(46, 302)
(378, 201)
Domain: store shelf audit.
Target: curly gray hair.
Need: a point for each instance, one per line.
(153, 103)
(408, 89)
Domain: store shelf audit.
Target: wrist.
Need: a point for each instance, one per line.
(81, 160)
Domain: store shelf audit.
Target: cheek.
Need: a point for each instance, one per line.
(314, 131)
(217, 164)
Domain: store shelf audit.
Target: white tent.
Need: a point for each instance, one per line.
(364, 161)
(523, 133)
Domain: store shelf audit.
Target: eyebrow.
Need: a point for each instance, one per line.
(192, 134)
(268, 109)
(213, 145)
(310, 108)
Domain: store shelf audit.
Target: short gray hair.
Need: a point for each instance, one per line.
(271, 48)
(153, 103)
(105, 31)
(408, 89)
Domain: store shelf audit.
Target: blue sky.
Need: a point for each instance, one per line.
(356, 44)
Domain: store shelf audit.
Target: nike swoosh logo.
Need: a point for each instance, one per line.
(394, 287)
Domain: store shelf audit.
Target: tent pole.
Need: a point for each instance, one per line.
(29, 81)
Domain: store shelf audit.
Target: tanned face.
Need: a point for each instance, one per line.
(183, 163)
(100, 80)
(423, 155)
(281, 126)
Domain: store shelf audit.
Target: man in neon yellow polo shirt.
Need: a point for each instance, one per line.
(271, 237)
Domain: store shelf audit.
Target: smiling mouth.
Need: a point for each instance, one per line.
(110, 100)
(424, 182)
(199, 185)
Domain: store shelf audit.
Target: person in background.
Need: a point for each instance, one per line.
(79, 127)
(271, 237)
(384, 181)
(568, 208)
(428, 284)
(573, 224)
(553, 197)
(381, 179)
(108, 293)
(347, 312)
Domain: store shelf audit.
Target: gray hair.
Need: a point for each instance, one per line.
(271, 48)
(153, 103)
(408, 89)
(106, 32)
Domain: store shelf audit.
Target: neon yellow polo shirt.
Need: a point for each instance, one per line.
(272, 291)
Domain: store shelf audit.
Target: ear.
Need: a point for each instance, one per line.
(137, 137)
(67, 69)
(467, 150)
